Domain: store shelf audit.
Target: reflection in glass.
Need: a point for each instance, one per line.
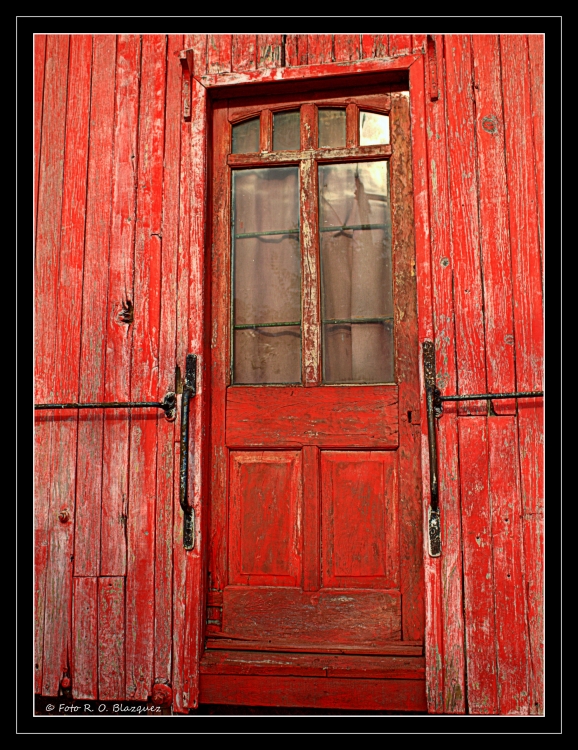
(331, 128)
(356, 278)
(267, 355)
(266, 276)
(286, 131)
(246, 137)
(373, 129)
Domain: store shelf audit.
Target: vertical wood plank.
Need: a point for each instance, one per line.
(451, 656)
(346, 47)
(528, 324)
(219, 345)
(479, 584)
(311, 519)
(531, 447)
(509, 579)
(198, 43)
(407, 370)
(111, 638)
(432, 565)
(184, 260)
(374, 45)
(120, 308)
(454, 701)
(399, 44)
(199, 454)
(39, 59)
(140, 581)
(493, 212)
(219, 53)
(319, 48)
(536, 61)
(311, 315)
(418, 43)
(167, 361)
(67, 325)
(48, 239)
(48, 235)
(94, 307)
(524, 211)
(85, 638)
(269, 50)
(468, 299)
(296, 50)
(244, 52)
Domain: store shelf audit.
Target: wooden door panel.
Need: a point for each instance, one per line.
(265, 517)
(360, 540)
(293, 616)
(331, 416)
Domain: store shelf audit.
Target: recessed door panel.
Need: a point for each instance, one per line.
(265, 517)
(359, 519)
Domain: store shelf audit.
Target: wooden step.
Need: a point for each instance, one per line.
(394, 648)
(312, 665)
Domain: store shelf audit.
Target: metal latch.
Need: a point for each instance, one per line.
(434, 400)
(189, 390)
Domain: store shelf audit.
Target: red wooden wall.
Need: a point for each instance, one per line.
(119, 212)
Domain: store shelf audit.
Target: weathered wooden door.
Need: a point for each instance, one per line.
(315, 515)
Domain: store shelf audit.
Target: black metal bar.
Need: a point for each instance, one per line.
(103, 405)
(168, 405)
(189, 390)
(484, 396)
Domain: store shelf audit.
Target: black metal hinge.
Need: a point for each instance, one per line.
(189, 391)
(434, 401)
(169, 407)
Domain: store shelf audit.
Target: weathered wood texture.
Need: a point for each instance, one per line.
(312, 665)
(50, 162)
(524, 221)
(120, 193)
(140, 583)
(314, 692)
(364, 416)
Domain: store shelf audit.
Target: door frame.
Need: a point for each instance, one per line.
(190, 566)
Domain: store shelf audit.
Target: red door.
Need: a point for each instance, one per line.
(315, 521)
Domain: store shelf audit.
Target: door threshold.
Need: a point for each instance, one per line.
(271, 663)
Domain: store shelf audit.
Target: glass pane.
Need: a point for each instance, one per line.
(266, 275)
(356, 276)
(246, 137)
(358, 353)
(331, 128)
(267, 355)
(373, 129)
(286, 131)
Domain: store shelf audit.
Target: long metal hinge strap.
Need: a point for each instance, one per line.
(189, 390)
(434, 529)
(168, 405)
